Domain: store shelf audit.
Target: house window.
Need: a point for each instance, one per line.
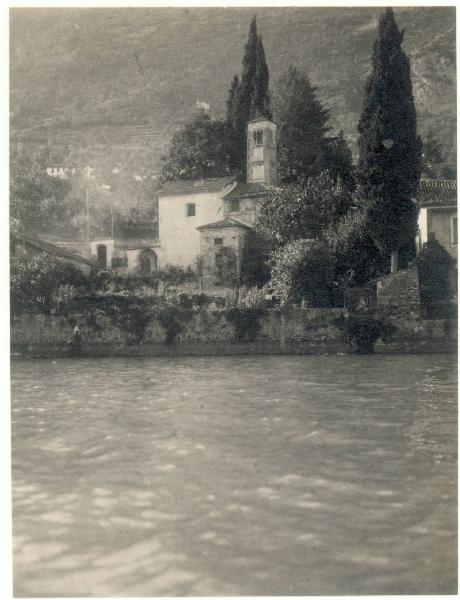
(218, 241)
(453, 231)
(190, 210)
(258, 137)
(234, 205)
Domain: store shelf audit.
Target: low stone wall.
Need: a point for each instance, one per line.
(210, 333)
(420, 335)
(399, 291)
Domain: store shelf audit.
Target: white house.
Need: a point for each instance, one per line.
(193, 215)
(437, 202)
(60, 171)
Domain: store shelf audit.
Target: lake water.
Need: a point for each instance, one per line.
(235, 476)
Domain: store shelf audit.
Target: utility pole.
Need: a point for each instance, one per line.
(111, 216)
(87, 217)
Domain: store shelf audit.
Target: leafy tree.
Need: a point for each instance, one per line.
(303, 270)
(302, 125)
(232, 101)
(249, 98)
(390, 150)
(434, 159)
(357, 258)
(203, 148)
(36, 200)
(336, 157)
(34, 284)
(304, 209)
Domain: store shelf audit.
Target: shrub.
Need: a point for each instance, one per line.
(174, 276)
(434, 264)
(200, 300)
(303, 271)
(34, 283)
(253, 297)
(137, 283)
(361, 332)
(246, 322)
(130, 315)
(185, 301)
(63, 295)
(172, 319)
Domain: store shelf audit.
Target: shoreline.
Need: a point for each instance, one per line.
(37, 351)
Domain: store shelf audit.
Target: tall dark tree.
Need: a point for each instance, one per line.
(390, 149)
(260, 104)
(249, 99)
(302, 125)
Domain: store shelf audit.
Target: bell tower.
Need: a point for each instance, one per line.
(262, 152)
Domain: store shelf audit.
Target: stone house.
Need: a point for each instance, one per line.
(221, 250)
(437, 202)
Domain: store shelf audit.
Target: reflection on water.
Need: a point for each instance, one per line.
(234, 476)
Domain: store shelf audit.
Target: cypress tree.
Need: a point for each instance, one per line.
(389, 148)
(260, 106)
(249, 97)
(232, 101)
(246, 94)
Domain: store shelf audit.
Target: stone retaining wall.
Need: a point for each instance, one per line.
(209, 332)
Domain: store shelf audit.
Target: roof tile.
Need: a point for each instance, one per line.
(243, 190)
(51, 248)
(195, 186)
(437, 192)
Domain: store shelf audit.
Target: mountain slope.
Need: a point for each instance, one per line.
(107, 82)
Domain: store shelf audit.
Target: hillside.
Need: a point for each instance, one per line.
(113, 84)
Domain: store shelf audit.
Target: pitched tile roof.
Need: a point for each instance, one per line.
(224, 223)
(245, 190)
(196, 186)
(50, 248)
(437, 192)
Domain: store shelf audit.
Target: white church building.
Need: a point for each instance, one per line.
(198, 218)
